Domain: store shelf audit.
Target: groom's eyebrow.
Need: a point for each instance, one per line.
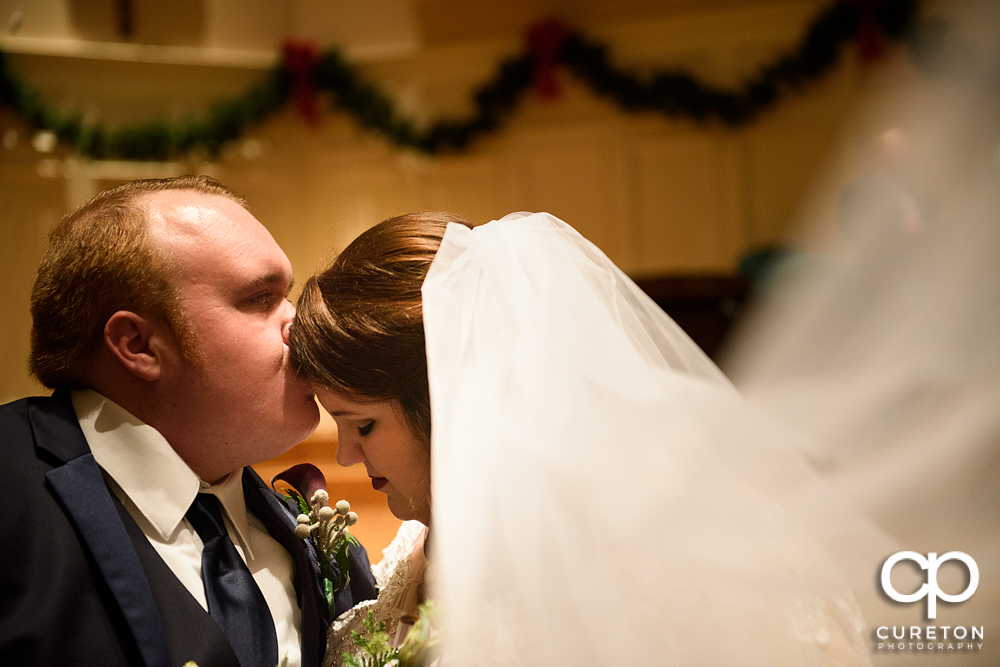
(270, 279)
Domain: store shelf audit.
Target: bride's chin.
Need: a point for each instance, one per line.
(405, 510)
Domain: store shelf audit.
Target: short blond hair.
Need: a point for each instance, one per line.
(101, 259)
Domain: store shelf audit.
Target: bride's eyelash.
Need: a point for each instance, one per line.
(366, 429)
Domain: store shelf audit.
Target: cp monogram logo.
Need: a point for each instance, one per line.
(930, 589)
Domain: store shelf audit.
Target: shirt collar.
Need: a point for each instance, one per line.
(128, 449)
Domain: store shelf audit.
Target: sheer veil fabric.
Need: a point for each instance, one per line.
(601, 493)
(879, 339)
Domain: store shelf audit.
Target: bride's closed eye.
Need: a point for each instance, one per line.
(366, 429)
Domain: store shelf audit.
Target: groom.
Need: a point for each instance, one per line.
(132, 531)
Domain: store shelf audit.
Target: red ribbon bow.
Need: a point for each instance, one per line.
(871, 40)
(545, 40)
(300, 60)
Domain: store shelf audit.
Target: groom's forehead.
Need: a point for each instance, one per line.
(211, 239)
(180, 218)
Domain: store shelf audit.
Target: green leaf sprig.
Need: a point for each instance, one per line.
(377, 650)
(420, 647)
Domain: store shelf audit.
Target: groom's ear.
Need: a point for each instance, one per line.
(137, 342)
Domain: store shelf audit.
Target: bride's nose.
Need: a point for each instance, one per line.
(349, 450)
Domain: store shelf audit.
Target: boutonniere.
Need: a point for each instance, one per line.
(327, 527)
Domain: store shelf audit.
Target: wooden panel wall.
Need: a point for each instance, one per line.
(659, 196)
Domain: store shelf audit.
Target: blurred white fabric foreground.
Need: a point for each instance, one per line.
(880, 339)
(601, 494)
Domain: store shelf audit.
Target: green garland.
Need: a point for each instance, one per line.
(672, 93)
(155, 140)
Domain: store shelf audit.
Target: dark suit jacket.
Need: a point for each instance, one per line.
(79, 582)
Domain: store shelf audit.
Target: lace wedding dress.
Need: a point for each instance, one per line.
(396, 575)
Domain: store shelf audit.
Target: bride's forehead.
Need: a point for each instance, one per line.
(339, 405)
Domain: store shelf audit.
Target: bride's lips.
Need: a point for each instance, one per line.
(379, 482)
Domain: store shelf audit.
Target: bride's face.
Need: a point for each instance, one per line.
(377, 435)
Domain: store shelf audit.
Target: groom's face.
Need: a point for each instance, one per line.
(242, 401)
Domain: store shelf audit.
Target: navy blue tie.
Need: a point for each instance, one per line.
(234, 600)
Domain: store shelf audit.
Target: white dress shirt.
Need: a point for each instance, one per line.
(157, 488)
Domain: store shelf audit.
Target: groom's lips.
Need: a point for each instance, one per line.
(379, 482)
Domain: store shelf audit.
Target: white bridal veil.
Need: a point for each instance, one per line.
(880, 339)
(601, 493)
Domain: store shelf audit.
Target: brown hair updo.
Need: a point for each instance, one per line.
(359, 329)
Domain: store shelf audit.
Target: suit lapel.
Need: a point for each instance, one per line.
(278, 520)
(79, 485)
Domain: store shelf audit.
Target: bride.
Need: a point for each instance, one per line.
(598, 491)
